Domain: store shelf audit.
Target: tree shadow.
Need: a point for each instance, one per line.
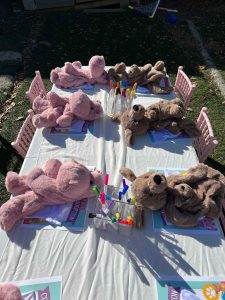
(8, 156)
(215, 164)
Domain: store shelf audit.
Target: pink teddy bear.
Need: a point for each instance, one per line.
(56, 183)
(56, 110)
(48, 109)
(9, 291)
(73, 74)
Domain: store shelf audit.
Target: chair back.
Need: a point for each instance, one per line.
(25, 135)
(184, 87)
(206, 143)
(36, 88)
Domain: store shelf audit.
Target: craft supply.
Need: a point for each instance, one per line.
(117, 91)
(102, 198)
(95, 189)
(113, 220)
(106, 179)
(133, 200)
(117, 215)
(105, 209)
(128, 93)
(130, 220)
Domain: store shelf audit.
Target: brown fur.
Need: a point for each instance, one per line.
(147, 75)
(170, 115)
(133, 121)
(149, 189)
(202, 195)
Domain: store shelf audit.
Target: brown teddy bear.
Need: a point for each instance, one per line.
(133, 121)
(197, 193)
(118, 72)
(148, 75)
(164, 110)
(170, 115)
(139, 74)
(149, 190)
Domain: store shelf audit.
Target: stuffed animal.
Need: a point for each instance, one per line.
(80, 106)
(56, 110)
(9, 291)
(56, 183)
(74, 75)
(170, 115)
(148, 75)
(133, 121)
(149, 190)
(164, 110)
(48, 109)
(197, 193)
(118, 72)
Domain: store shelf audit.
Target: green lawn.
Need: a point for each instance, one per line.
(50, 38)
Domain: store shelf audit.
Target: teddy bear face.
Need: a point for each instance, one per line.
(73, 180)
(138, 112)
(134, 72)
(120, 68)
(149, 190)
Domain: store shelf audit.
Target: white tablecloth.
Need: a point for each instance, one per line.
(105, 264)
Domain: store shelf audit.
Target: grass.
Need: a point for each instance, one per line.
(48, 39)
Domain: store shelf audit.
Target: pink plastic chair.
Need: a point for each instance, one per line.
(206, 143)
(184, 87)
(36, 88)
(25, 135)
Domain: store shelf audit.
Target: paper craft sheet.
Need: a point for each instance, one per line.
(191, 288)
(205, 225)
(77, 127)
(41, 288)
(71, 216)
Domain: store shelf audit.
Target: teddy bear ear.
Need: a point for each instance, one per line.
(128, 173)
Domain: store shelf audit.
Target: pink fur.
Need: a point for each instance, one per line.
(62, 111)
(74, 75)
(56, 183)
(9, 291)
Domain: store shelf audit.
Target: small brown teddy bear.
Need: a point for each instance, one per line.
(164, 110)
(118, 72)
(197, 193)
(170, 115)
(133, 121)
(139, 74)
(149, 190)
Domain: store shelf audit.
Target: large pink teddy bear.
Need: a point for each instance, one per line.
(9, 291)
(56, 110)
(73, 74)
(56, 183)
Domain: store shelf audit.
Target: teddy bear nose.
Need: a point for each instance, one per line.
(135, 107)
(183, 187)
(157, 179)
